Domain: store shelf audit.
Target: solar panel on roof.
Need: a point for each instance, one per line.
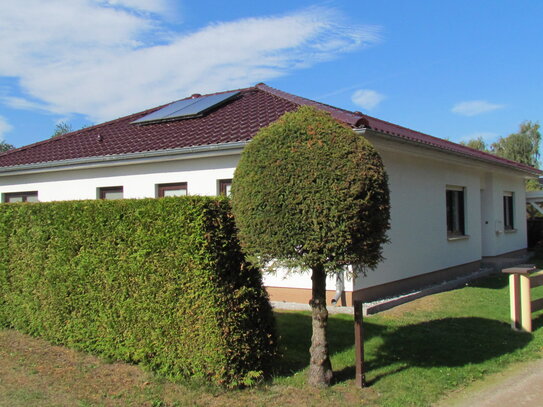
(187, 108)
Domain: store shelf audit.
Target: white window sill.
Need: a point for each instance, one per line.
(455, 238)
(510, 231)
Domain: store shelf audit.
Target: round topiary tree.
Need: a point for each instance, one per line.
(310, 193)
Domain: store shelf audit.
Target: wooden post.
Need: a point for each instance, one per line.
(514, 300)
(360, 378)
(526, 303)
(520, 296)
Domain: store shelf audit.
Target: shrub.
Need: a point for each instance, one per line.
(310, 193)
(157, 282)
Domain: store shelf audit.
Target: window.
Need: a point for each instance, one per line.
(110, 193)
(508, 222)
(30, 196)
(455, 211)
(179, 189)
(224, 186)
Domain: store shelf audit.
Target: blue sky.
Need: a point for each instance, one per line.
(454, 69)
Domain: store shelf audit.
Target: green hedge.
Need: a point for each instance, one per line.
(160, 282)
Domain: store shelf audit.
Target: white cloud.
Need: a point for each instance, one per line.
(4, 127)
(475, 107)
(107, 58)
(367, 98)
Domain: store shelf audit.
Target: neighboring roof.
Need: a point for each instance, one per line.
(238, 120)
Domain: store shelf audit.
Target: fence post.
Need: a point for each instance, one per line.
(360, 376)
(514, 300)
(520, 296)
(526, 303)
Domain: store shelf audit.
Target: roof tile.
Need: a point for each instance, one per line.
(237, 120)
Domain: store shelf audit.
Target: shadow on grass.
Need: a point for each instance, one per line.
(494, 281)
(448, 342)
(295, 338)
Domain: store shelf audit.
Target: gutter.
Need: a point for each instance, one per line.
(184, 153)
(397, 139)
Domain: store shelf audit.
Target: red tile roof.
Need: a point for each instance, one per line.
(238, 120)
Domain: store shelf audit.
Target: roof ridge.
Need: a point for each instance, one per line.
(344, 115)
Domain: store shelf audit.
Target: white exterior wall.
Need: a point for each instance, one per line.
(417, 180)
(138, 181)
(496, 240)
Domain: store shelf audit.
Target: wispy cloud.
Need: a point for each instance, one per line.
(22, 103)
(475, 107)
(104, 59)
(367, 98)
(4, 127)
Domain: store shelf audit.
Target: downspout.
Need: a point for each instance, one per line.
(340, 286)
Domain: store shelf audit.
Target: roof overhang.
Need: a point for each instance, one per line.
(185, 153)
(528, 173)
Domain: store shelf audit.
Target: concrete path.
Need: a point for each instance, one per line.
(521, 386)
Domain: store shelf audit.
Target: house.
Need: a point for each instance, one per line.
(450, 205)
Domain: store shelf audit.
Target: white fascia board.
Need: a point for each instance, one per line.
(185, 153)
(457, 157)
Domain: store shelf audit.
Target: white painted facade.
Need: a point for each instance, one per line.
(418, 179)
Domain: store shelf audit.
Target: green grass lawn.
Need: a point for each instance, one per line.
(415, 354)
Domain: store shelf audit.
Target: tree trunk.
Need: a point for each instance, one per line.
(320, 368)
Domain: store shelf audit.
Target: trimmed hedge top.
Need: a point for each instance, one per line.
(161, 282)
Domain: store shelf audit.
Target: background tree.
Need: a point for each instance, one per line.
(62, 128)
(309, 193)
(522, 147)
(477, 144)
(5, 146)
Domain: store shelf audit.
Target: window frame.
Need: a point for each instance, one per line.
(102, 191)
(222, 186)
(24, 195)
(508, 211)
(455, 203)
(174, 186)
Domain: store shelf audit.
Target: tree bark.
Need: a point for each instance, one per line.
(320, 368)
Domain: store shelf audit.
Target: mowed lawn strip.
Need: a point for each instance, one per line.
(415, 354)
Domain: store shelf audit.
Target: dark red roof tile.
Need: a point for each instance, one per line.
(237, 120)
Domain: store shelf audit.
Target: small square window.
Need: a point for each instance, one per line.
(224, 187)
(177, 189)
(508, 217)
(455, 211)
(110, 193)
(29, 196)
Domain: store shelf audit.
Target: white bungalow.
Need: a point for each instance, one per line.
(450, 205)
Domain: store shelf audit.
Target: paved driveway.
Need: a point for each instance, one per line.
(520, 387)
